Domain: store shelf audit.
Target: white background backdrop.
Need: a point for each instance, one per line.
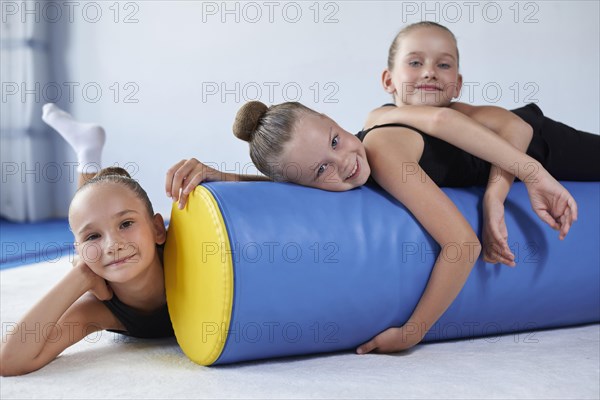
(172, 74)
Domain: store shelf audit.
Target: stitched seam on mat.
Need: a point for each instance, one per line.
(215, 221)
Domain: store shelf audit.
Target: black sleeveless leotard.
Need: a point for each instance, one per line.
(568, 154)
(156, 324)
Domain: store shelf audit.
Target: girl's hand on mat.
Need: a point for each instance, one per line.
(552, 202)
(96, 284)
(391, 340)
(495, 234)
(184, 176)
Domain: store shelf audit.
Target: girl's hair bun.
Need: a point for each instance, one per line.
(112, 171)
(247, 119)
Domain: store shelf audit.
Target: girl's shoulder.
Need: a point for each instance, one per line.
(406, 143)
(88, 310)
(375, 116)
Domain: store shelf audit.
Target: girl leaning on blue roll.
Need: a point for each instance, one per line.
(257, 270)
(291, 143)
(411, 148)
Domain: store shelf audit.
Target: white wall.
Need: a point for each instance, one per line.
(178, 49)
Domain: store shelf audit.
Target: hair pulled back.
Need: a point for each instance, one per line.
(409, 28)
(121, 177)
(267, 130)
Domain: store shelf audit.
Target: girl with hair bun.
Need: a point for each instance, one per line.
(318, 153)
(117, 280)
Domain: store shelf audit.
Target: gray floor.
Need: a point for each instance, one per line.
(561, 363)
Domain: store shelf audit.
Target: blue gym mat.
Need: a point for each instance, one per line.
(27, 243)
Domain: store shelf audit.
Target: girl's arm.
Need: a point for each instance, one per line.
(187, 174)
(518, 133)
(394, 165)
(549, 199)
(459, 130)
(60, 319)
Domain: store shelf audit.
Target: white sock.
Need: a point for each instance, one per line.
(86, 139)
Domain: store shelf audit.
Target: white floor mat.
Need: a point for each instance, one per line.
(560, 363)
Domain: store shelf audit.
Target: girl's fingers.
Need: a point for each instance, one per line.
(170, 175)
(175, 181)
(573, 207)
(547, 218)
(499, 252)
(505, 251)
(490, 259)
(180, 176)
(504, 254)
(367, 347)
(191, 184)
(566, 225)
(189, 188)
(508, 261)
(496, 258)
(570, 216)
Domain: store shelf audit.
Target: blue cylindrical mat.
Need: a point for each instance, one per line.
(305, 271)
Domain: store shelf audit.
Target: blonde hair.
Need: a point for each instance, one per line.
(407, 29)
(267, 130)
(120, 176)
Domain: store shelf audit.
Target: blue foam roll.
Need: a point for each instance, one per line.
(316, 271)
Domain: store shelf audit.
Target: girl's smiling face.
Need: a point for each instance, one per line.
(425, 69)
(323, 155)
(114, 233)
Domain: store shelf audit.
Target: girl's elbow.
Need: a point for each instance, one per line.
(440, 117)
(3, 370)
(469, 250)
(465, 250)
(12, 365)
(7, 371)
(521, 130)
(10, 369)
(474, 250)
(4, 363)
(527, 131)
(7, 366)
(473, 244)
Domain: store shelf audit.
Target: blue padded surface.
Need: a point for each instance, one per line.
(27, 243)
(317, 271)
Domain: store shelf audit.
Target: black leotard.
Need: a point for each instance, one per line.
(568, 154)
(156, 324)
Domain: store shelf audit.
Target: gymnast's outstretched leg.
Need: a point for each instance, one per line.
(86, 139)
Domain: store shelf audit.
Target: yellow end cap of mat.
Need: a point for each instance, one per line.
(199, 277)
